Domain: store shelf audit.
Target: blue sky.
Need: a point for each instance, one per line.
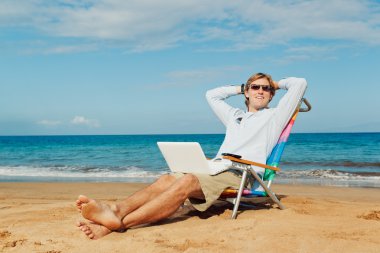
(143, 67)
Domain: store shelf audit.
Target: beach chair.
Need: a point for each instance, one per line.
(271, 167)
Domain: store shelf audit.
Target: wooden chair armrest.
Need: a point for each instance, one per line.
(234, 159)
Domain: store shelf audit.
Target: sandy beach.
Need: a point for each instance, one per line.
(41, 217)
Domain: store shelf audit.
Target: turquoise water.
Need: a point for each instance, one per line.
(351, 159)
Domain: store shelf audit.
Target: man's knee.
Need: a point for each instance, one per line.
(167, 178)
(189, 180)
(187, 185)
(163, 182)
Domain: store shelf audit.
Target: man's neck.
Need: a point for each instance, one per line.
(253, 110)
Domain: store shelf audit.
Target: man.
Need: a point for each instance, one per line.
(251, 134)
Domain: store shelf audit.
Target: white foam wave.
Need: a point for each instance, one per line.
(328, 177)
(77, 172)
(325, 174)
(137, 174)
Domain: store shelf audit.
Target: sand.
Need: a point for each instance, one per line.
(40, 217)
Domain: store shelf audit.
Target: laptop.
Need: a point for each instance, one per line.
(188, 157)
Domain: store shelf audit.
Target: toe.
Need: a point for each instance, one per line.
(83, 199)
(80, 223)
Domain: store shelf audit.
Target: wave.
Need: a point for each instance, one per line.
(330, 177)
(329, 174)
(351, 164)
(56, 171)
(134, 171)
(138, 174)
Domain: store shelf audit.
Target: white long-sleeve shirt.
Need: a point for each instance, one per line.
(253, 135)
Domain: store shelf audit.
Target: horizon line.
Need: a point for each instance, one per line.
(52, 135)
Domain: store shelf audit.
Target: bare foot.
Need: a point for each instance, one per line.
(92, 230)
(99, 213)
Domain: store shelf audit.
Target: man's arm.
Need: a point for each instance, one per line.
(295, 90)
(216, 97)
(275, 84)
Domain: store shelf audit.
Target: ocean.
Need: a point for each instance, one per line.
(342, 159)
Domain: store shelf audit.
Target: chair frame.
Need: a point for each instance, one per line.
(246, 167)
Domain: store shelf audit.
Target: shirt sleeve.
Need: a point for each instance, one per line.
(296, 88)
(216, 97)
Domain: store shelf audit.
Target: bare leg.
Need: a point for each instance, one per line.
(161, 206)
(165, 204)
(141, 197)
(111, 215)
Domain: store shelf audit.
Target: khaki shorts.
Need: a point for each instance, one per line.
(213, 186)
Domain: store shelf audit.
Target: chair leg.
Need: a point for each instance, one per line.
(240, 192)
(270, 193)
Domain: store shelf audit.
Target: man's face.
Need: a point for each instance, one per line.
(258, 96)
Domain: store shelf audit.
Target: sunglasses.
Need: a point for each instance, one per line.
(263, 87)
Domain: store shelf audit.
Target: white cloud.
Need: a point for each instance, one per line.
(39, 47)
(70, 49)
(77, 120)
(307, 53)
(152, 25)
(185, 78)
(80, 120)
(47, 122)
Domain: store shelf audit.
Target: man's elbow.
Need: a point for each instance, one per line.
(209, 95)
(302, 83)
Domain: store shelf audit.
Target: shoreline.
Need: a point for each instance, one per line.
(353, 183)
(40, 217)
